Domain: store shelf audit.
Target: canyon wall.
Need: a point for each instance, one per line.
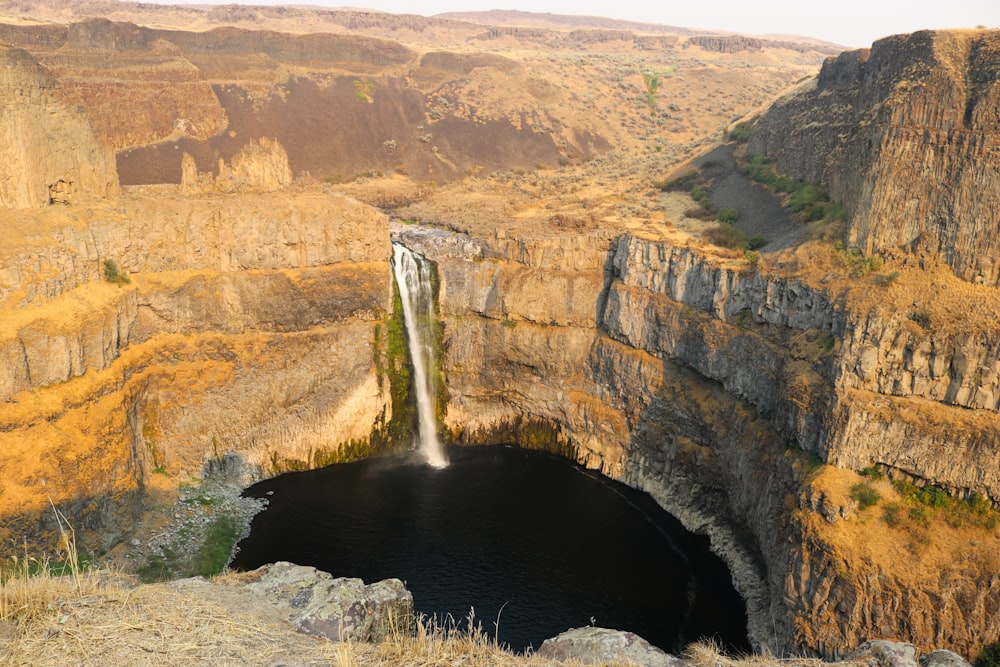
(48, 153)
(720, 390)
(242, 326)
(884, 128)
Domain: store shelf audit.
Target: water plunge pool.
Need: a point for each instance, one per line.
(532, 542)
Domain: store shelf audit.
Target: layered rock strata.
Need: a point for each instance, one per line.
(884, 128)
(718, 389)
(247, 327)
(48, 153)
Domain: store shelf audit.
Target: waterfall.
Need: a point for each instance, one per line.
(413, 278)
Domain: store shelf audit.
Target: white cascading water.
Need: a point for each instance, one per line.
(415, 291)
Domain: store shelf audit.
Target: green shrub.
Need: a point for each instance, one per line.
(214, 553)
(804, 196)
(873, 473)
(728, 215)
(989, 655)
(741, 132)
(113, 275)
(865, 495)
(726, 236)
(743, 319)
(756, 242)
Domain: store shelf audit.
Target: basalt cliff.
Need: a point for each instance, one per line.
(231, 319)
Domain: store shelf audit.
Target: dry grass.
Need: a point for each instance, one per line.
(709, 654)
(100, 618)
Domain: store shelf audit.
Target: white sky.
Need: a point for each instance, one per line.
(852, 23)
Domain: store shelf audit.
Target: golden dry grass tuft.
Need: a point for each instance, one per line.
(101, 618)
(708, 654)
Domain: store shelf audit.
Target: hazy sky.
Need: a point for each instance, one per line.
(846, 22)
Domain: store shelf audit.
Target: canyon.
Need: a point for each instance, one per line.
(246, 322)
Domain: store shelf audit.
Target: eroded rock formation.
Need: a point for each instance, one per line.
(248, 327)
(48, 153)
(906, 134)
(705, 383)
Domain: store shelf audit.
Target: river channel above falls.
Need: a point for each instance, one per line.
(521, 536)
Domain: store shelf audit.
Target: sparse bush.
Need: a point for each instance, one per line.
(728, 215)
(922, 316)
(857, 264)
(756, 242)
(113, 275)
(921, 516)
(699, 213)
(865, 495)
(743, 319)
(741, 132)
(885, 279)
(725, 236)
(891, 515)
(989, 655)
(682, 183)
(752, 256)
(363, 89)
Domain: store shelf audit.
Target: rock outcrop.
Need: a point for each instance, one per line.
(718, 389)
(261, 165)
(248, 328)
(907, 136)
(48, 153)
(599, 646)
(340, 609)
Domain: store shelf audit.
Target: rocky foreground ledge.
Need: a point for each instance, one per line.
(286, 614)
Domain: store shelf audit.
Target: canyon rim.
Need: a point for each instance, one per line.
(195, 275)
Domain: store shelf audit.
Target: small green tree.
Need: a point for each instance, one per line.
(652, 80)
(865, 495)
(729, 215)
(113, 275)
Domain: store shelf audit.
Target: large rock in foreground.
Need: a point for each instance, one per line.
(340, 609)
(597, 646)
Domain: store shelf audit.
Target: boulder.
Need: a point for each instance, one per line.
(596, 646)
(884, 653)
(339, 609)
(943, 658)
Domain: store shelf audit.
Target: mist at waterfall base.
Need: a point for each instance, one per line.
(532, 542)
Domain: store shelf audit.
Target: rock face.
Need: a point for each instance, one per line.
(907, 136)
(48, 153)
(248, 329)
(261, 165)
(707, 383)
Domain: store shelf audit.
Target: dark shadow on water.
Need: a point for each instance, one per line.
(521, 536)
